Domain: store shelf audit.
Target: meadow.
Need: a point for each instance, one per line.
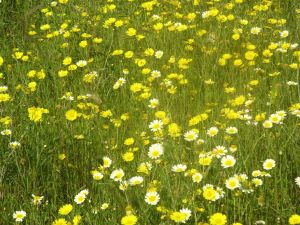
(150, 112)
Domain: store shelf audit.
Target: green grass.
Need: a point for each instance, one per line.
(35, 166)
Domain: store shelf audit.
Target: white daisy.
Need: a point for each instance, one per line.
(179, 168)
(152, 198)
(19, 215)
(269, 164)
(228, 161)
(156, 125)
(190, 135)
(117, 175)
(155, 151)
(135, 180)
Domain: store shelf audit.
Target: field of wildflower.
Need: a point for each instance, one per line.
(160, 112)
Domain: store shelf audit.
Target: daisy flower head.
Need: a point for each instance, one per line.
(19, 215)
(213, 131)
(106, 162)
(144, 167)
(232, 183)
(275, 118)
(197, 177)
(155, 74)
(159, 54)
(81, 63)
(155, 151)
(269, 164)
(153, 103)
(37, 200)
(228, 161)
(284, 33)
(14, 144)
(231, 130)
(134, 181)
(187, 213)
(80, 198)
(267, 124)
(210, 193)
(156, 125)
(178, 217)
(255, 30)
(152, 198)
(219, 151)
(119, 83)
(97, 175)
(257, 182)
(117, 175)
(179, 168)
(190, 135)
(297, 181)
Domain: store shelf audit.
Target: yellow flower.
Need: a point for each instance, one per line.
(129, 220)
(97, 40)
(67, 61)
(45, 27)
(129, 54)
(250, 55)
(4, 97)
(76, 219)
(32, 86)
(63, 73)
(128, 156)
(1, 61)
(205, 161)
(65, 210)
(35, 113)
(238, 100)
(218, 219)
(174, 130)
(129, 141)
(136, 87)
(71, 115)
(83, 44)
(178, 217)
(60, 221)
(131, 32)
(210, 194)
(62, 156)
(294, 219)
(63, 1)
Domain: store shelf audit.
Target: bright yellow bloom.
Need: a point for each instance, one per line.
(131, 32)
(294, 219)
(129, 141)
(218, 219)
(60, 221)
(128, 156)
(210, 194)
(63, 1)
(129, 220)
(178, 217)
(65, 210)
(76, 219)
(1, 61)
(136, 87)
(4, 97)
(35, 113)
(71, 115)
